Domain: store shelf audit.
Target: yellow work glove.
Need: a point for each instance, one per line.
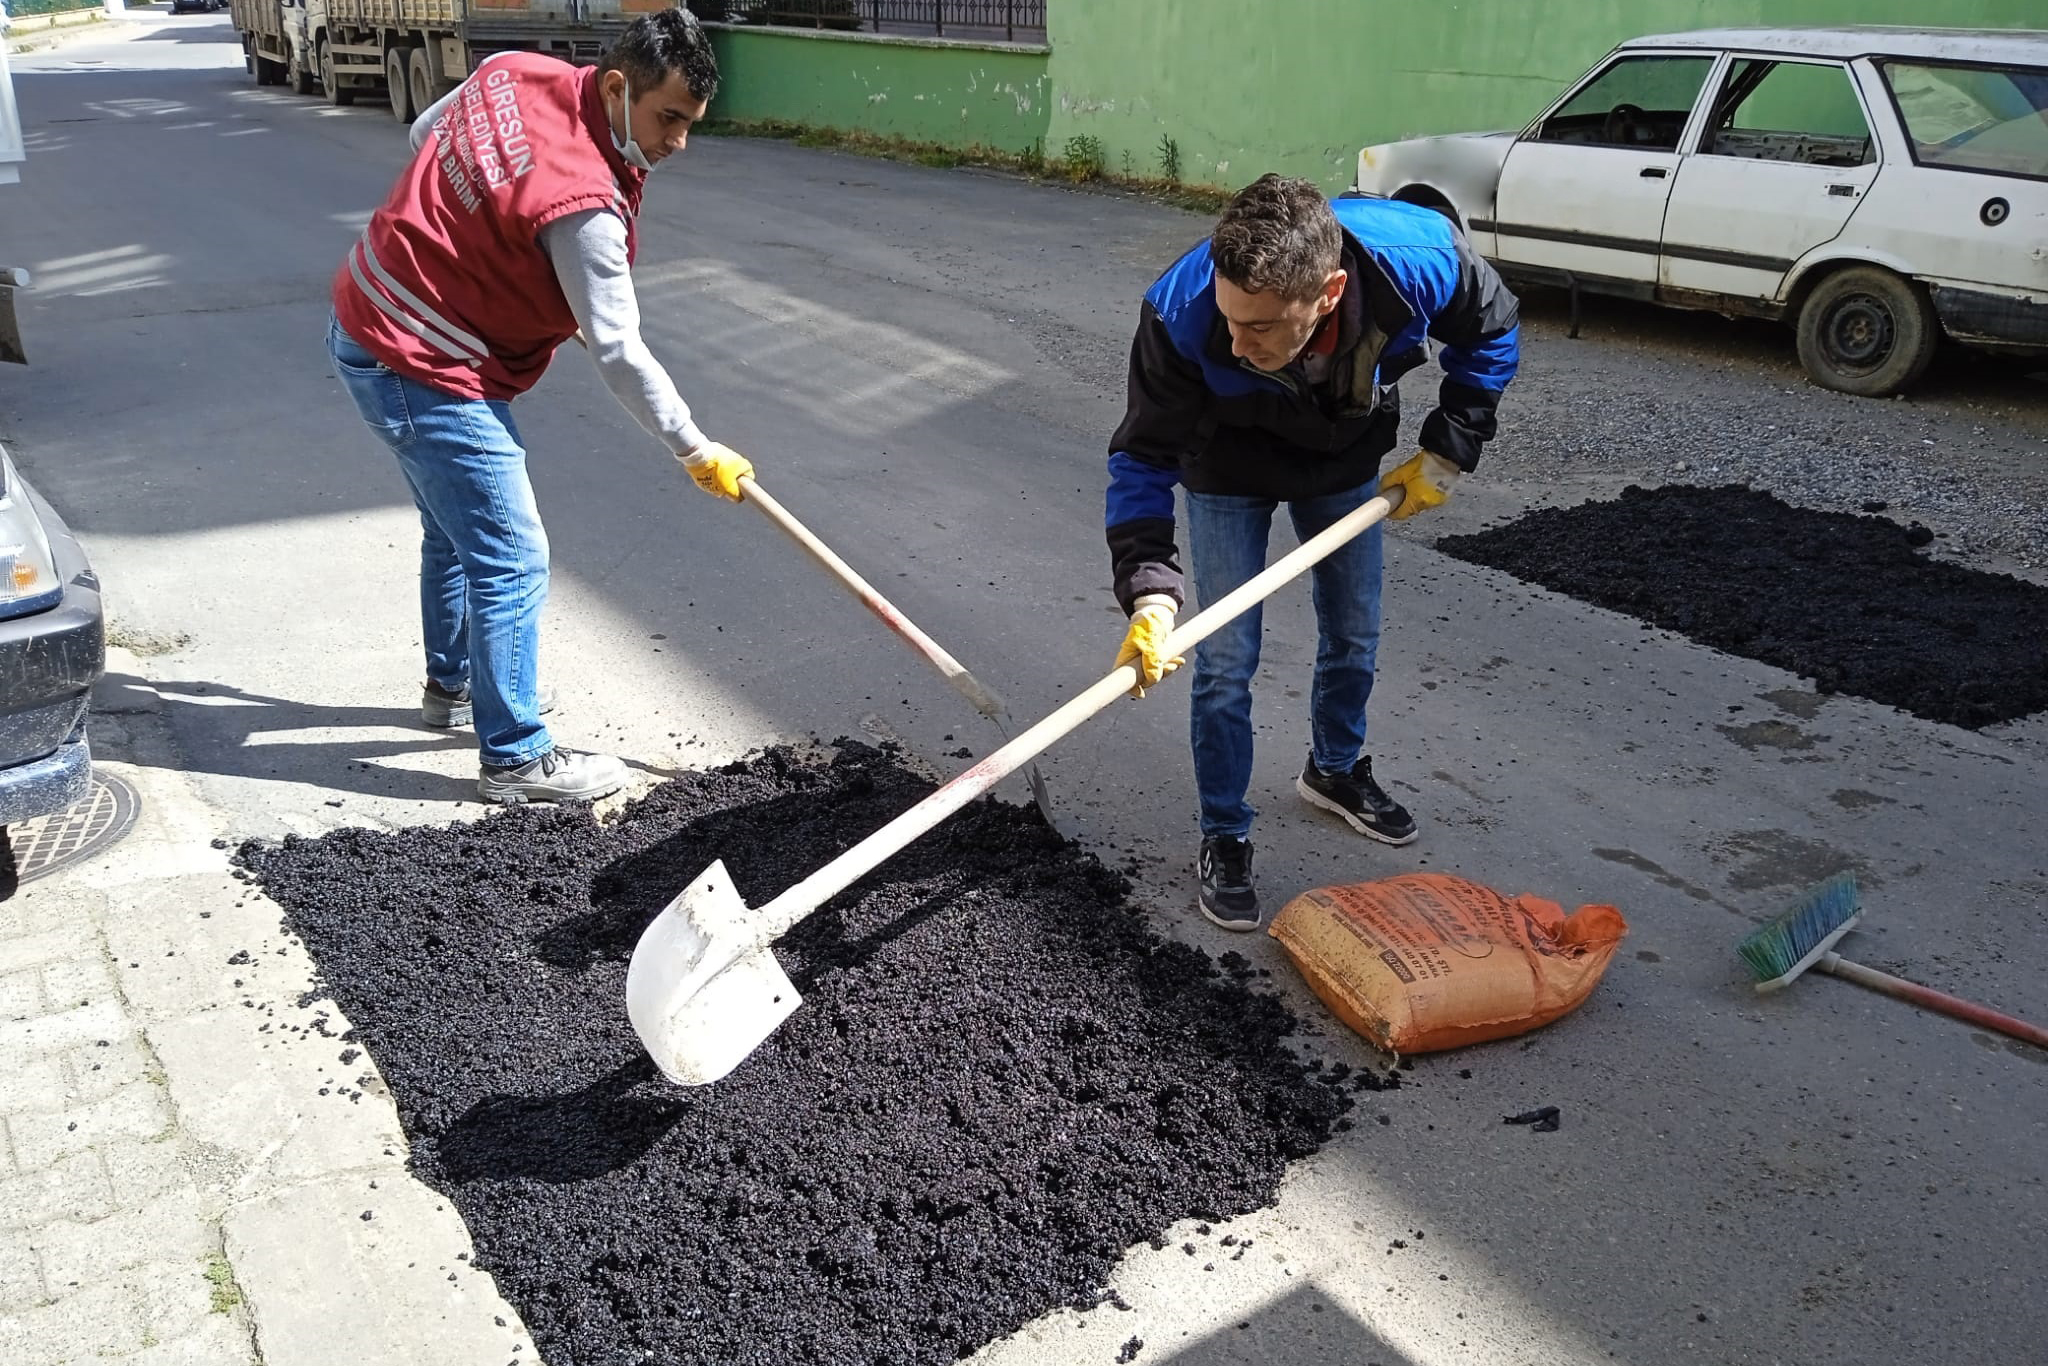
(1424, 481)
(717, 469)
(1145, 642)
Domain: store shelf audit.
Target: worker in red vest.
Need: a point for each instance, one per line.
(511, 232)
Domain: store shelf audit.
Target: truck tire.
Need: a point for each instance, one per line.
(298, 76)
(398, 83)
(1867, 331)
(268, 72)
(337, 93)
(425, 88)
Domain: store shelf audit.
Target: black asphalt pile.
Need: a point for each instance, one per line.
(998, 1083)
(1851, 602)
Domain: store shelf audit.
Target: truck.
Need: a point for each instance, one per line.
(413, 52)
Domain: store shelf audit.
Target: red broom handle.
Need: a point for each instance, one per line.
(1931, 999)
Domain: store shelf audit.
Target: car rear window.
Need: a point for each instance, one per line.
(1974, 118)
(1805, 112)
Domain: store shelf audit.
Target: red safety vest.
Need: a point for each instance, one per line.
(449, 284)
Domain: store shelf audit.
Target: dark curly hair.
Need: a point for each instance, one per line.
(1278, 236)
(656, 44)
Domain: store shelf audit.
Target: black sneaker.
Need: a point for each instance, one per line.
(1225, 869)
(1362, 803)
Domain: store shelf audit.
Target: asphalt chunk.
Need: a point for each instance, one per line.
(999, 1081)
(1845, 600)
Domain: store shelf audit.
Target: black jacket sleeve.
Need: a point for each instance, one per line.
(1163, 422)
(1478, 323)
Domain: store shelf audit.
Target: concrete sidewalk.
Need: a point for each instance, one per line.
(39, 32)
(196, 1168)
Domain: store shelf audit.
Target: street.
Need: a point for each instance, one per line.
(925, 365)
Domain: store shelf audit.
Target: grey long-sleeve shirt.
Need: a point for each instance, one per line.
(588, 250)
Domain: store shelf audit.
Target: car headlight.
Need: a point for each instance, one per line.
(28, 573)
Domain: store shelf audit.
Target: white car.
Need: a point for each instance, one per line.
(1876, 186)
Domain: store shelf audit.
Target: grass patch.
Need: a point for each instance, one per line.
(1169, 160)
(1084, 159)
(221, 1276)
(1081, 164)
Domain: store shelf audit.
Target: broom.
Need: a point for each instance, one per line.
(1805, 936)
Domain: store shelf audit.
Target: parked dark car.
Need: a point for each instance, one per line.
(52, 651)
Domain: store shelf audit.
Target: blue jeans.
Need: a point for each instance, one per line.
(483, 551)
(1226, 546)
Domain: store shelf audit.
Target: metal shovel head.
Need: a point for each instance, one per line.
(701, 991)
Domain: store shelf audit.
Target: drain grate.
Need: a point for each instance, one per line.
(79, 831)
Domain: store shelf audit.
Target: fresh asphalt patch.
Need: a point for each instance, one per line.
(999, 1082)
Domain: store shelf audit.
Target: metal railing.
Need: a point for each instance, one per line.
(986, 19)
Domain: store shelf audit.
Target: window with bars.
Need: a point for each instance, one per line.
(1009, 21)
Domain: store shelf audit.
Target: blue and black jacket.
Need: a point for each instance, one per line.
(1199, 417)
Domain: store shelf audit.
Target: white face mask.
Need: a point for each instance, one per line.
(625, 145)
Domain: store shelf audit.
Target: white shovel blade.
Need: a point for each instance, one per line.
(701, 994)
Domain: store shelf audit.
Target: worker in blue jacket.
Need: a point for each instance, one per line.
(1264, 372)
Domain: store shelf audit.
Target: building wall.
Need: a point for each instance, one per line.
(957, 94)
(1298, 86)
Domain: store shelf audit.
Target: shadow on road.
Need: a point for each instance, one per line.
(251, 735)
(233, 733)
(1302, 1326)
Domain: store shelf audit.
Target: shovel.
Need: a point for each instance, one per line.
(704, 989)
(964, 683)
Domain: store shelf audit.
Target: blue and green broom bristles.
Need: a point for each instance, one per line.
(1778, 952)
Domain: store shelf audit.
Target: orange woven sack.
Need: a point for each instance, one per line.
(1424, 962)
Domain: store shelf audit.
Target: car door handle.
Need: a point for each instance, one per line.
(1653, 172)
(1843, 191)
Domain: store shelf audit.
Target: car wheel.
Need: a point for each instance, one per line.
(1867, 331)
(398, 81)
(337, 93)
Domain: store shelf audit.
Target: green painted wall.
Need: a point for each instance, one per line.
(957, 94)
(1298, 86)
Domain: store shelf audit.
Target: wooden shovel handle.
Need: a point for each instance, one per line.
(965, 683)
(1930, 999)
(835, 877)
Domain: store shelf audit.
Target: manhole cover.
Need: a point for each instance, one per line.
(77, 832)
